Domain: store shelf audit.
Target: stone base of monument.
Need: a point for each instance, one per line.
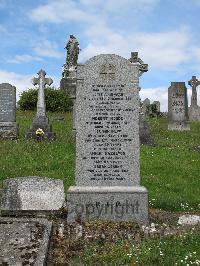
(181, 126)
(68, 85)
(144, 131)
(194, 113)
(113, 203)
(9, 130)
(43, 123)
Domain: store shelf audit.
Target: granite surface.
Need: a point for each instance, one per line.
(107, 122)
(24, 241)
(107, 143)
(116, 203)
(8, 126)
(178, 107)
(32, 193)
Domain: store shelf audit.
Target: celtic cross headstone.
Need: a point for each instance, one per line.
(40, 127)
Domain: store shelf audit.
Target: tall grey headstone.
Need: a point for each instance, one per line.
(8, 125)
(178, 107)
(194, 109)
(107, 143)
(41, 121)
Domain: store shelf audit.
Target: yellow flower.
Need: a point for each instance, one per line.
(39, 132)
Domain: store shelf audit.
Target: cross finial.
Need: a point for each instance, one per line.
(136, 60)
(194, 82)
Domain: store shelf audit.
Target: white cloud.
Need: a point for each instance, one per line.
(58, 12)
(46, 48)
(156, 49)
(85, 11)
(25, 58)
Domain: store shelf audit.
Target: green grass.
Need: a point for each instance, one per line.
(170, 170)
(173, 250)
(24, 157)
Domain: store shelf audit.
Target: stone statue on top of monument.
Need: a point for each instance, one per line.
(72, 47)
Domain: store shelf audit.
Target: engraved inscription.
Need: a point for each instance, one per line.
(108, 120)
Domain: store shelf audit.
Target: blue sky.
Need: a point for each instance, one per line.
(166, 33)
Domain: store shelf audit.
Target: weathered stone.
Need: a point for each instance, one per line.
(145, 132)
(194, 109)
(145, 106)
(24, 241)
(32, 194)
(41, 122)
(178, 107)
(8, 125)
(157, 104)
(107, 141)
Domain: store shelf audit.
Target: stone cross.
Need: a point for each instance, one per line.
(194, 82)
(135, 59)
(41, 81)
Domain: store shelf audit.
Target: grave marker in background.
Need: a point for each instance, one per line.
(107, 142)
(194, 109)
(41, 121)
(8, 125)
(178, 107)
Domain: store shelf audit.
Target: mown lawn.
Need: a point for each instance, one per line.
(170, 170)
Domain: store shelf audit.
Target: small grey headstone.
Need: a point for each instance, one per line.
(107, 142)
(145, 132)
(145, 106)
(157, 104)
(24, 241)
(178, 107)
(8, 126)
(32, 194)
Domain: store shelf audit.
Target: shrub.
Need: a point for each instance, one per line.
(56, 100)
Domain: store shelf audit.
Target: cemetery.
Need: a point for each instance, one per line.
(106, 182)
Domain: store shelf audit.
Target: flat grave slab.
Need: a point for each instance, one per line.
(24, 241)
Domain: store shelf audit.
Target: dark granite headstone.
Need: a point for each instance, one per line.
(178, 107)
